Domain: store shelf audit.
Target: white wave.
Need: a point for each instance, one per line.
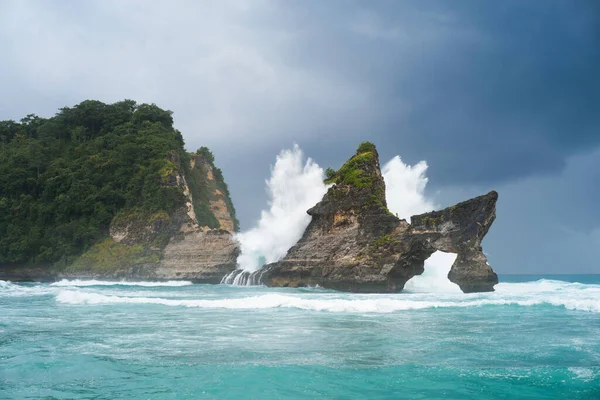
(571, 300)
(405, 197)
(9, 289)
(545, 286)
(585, 374)
(435, 277)
(293, 188)
(93, 282)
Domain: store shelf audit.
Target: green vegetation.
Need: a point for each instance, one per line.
(108, 255)
(357, 171)
(366, 147)
(222, 186)
(329, 173)
(203, 191)
(383, 241)
(432, 222)
(207, 154)
(63, 179)
(373, 250)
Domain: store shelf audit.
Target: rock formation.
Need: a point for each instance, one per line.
(109, 191)
(182, 244)
(193, 243)
(353, 243)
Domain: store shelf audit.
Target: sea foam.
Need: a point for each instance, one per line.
(9, 289)
(93, 282)
(566, 295)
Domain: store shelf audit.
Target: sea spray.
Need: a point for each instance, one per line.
(435, 277)
(405, 188)
(405, 197)
(294, 187)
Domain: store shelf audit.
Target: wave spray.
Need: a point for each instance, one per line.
(296, 185)
(405, 196)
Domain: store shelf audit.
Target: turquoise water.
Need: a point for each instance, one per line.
(532, 339)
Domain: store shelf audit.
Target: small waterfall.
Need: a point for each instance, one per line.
(239, 277)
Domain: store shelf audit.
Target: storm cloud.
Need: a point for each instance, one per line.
(501, 95)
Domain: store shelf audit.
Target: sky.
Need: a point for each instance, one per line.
(493, 95)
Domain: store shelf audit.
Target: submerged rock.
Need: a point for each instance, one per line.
(353, 243)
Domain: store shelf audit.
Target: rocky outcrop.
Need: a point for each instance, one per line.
(200, 257)
(460, 229)
(353, 243)
(211, 194)
(185, 249)
(159, 246)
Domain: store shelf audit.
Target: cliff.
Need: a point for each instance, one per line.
(108, 191)
(193, 243)
(353, 243)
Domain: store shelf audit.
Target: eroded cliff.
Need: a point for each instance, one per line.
(160, 245)
(193, 243)
(354, 243)
(108, 190)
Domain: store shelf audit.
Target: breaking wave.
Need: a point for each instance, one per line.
(570, 296)
(294, 187)
(9, 289)
(435, 277)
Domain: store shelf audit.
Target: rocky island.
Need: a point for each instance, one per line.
(107, 191)
(354, 243)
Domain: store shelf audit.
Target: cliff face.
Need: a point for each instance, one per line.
(106, 190)
(202, 253)
(354, 243)
(161, 245)
(177, 245)
(213, 206)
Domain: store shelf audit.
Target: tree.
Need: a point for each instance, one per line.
(206, 153)
(329, 173)
(64, 179)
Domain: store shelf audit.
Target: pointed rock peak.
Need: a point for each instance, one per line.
(356, 197)
(361, 170)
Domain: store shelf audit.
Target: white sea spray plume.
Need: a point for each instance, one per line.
(405, 197)
(293, 188)
(405, 188)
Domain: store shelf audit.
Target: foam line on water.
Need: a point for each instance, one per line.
(566, 296)
(9, 289)
(93, 282)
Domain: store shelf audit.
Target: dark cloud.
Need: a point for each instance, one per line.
(544, 224)
(489, 93)
(509, 86)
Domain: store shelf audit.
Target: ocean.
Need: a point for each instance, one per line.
(536, 337)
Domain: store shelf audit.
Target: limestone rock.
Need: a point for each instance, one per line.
(200, 257)
(353, 243)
